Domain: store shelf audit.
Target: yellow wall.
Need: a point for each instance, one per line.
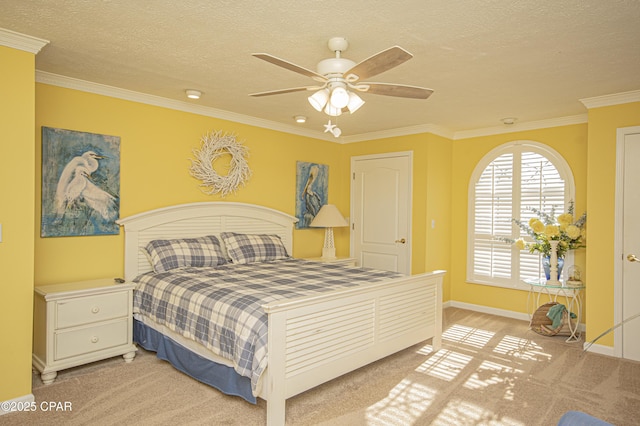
(603, 125)
(439, 224)
(17, 173)
(155, 148)
(570, 142)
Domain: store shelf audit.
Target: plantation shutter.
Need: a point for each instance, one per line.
(493, 213)
(541, 187)
(509, 187)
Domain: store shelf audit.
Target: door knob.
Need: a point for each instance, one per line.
(402, 241)
(632, 258)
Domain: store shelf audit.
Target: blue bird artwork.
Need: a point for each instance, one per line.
(80, 183)
(312, 181)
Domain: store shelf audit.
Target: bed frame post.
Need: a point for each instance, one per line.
(276, 372)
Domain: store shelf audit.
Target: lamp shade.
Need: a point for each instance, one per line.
(319, 99)
(355, 102)
(339, 97)
(328, 217)
(331, 110)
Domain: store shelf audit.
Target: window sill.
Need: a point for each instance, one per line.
(519, 286)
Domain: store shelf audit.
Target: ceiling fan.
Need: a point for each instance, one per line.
(339, 78)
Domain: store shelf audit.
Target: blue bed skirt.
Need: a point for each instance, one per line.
(219, 376)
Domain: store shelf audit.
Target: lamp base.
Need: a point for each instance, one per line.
(329, 253)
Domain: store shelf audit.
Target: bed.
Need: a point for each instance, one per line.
(310, 338)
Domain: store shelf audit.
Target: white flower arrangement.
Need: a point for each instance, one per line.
(213, 146)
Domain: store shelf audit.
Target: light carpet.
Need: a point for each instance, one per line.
(490, 370)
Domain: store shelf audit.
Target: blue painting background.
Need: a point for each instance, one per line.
(312, 183)
(59, 147)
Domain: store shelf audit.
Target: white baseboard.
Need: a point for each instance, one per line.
(499, 312)
(16, 402)
(487, 310)
(598, 349)
(602, 350)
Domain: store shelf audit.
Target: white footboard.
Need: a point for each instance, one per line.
(314, 340)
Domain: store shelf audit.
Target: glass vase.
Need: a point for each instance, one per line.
(546, 265)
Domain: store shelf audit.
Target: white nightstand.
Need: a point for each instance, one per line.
(81, 322)
(346, 261)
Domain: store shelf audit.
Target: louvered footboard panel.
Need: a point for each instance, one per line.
(404, 311)
(313, 340)
(322, 337)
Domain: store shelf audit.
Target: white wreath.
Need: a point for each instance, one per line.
(214, 146)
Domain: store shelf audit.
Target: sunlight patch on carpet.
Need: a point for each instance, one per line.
(522, 349)
(491, 373)
(425, 350)
(467, 335)
(459, 412)
(404, 405)
(444, 364)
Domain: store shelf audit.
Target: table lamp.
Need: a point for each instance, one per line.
(328, 217)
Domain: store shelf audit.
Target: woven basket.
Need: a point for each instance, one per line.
(541, 324)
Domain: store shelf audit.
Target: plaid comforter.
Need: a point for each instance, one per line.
(221, 307)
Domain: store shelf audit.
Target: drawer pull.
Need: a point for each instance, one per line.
(94, 339)
(95, 309)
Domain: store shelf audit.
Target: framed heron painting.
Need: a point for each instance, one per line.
(312, 181)
(80, 183)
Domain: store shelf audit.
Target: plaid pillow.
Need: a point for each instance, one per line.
(248, 248)
(171, 254)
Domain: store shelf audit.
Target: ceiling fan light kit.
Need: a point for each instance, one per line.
(340, 77)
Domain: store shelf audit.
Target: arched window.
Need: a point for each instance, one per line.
(506, 184)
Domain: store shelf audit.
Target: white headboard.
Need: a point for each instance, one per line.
(196, 220)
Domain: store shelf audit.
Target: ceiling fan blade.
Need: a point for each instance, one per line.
(378, 63)
(398, 90)
(290, 66)
(281, 91)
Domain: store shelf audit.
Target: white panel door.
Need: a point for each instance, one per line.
(381, 211)
(631, 247)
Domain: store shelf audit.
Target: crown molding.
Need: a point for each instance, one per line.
(613, 99)
(21, 41)
(401, 131)
(130, 95)
(115, 92)
(519, 127)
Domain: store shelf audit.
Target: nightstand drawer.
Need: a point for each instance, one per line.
(91, 309)
(91, 339)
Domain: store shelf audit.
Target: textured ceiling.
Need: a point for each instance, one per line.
(485, 60)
